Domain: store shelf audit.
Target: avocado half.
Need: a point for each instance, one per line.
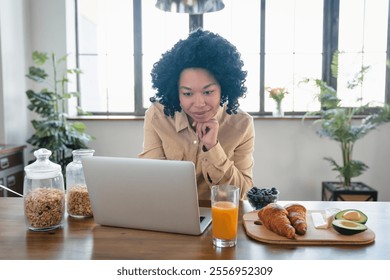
(353, 215)
(347, 227)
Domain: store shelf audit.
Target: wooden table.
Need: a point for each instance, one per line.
(81, 239)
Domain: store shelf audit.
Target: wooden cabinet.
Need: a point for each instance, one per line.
(11, 169)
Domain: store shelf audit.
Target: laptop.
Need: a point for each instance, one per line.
(147, 194)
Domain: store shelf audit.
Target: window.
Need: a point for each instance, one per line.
(281, 42)
(105, 55)
(367, 47)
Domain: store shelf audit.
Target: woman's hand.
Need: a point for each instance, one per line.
(207, 132)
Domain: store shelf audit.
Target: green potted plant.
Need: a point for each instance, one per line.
(52, 130)
(342, 125)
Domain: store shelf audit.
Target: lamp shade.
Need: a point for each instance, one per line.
(192, 7)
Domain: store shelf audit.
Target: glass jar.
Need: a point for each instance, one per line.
(78, 203)
(44, 194)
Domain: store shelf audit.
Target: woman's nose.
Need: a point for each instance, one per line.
(199, 100)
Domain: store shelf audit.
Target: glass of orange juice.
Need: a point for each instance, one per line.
(224, 209)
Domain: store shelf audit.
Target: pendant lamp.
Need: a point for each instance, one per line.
(195, 9)
(192, 7)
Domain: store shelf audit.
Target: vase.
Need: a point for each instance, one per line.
(278, 111)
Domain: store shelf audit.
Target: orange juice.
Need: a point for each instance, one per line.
(225, 219)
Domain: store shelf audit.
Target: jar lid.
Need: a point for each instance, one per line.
(83, 152)
(42, 168)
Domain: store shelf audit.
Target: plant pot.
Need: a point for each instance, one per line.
(358, 191)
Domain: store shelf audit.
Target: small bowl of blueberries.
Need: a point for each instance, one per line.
(261, 197)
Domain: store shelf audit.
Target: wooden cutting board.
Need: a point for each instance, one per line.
(313, 236)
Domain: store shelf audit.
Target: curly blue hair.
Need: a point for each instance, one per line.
(202, 49)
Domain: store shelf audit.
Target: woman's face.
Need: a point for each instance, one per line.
(199, 94)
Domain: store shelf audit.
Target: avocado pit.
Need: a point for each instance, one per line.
(353, 215)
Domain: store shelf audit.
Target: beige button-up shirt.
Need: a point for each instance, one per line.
(229, 162)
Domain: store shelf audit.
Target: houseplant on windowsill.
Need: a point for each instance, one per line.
(340, 124)
(52, 129)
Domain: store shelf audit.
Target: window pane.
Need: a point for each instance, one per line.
(278, 73)
(88, 28)
(308, 22)
(120, 87)
(362, 42)
(90, 85)
(373, 87)
(106, 89)
(239, 22)
(295, 68)
(160, 31)
(351, 25)
(293, 46)
(106, 55)
(302, 98)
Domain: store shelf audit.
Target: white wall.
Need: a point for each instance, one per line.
(25, 25)
(13, 51)
(288, 153)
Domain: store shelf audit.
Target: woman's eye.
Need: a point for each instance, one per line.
(208, 92)
(187, 93)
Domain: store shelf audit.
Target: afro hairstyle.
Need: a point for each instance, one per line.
(201, 49)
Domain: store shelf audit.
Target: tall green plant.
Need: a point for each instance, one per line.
(336, 122)
(52, 130)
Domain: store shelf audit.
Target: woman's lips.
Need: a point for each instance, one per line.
(200, 116)
(200, 113)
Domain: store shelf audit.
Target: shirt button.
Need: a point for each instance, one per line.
(195, 142)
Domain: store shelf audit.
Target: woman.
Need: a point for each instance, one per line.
(194, 114)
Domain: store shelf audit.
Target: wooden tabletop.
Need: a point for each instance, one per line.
(81, 239)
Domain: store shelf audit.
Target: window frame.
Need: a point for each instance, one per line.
(330, 45)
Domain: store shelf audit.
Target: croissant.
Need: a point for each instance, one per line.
(297, 217)
(275, 218)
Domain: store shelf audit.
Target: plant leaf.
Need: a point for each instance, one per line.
(39, 58)
(36, 74)
(334, 67)
(41, 102)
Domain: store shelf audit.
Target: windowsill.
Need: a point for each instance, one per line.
(141, 118)
(105, 118)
